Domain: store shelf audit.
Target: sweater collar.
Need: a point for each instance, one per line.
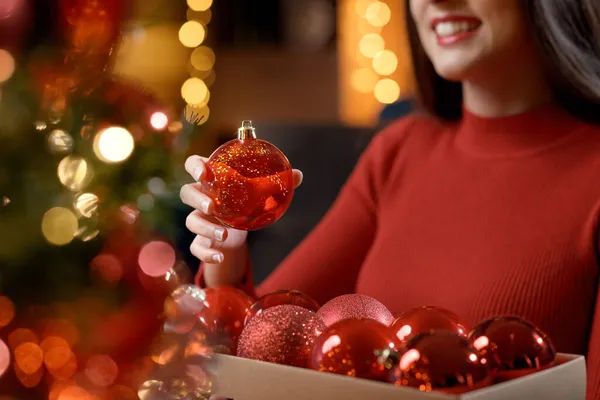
(533, 131)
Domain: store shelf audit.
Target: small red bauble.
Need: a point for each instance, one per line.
(250, 181)
(354, 347)
(224, 315)
(513, 347)
(281, 297)
(354, 306)
(443, 361)
(427, 318)
(282, 335)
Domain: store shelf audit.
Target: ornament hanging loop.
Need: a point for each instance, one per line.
(246, 131)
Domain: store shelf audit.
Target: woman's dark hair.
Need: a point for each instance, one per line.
(567, 33)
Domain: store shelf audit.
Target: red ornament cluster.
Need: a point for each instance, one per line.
(428, 348)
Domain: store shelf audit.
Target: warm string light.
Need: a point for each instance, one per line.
(195, 91)
(374, 62)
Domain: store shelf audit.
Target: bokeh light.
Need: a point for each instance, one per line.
(159, 120)
(203, 58)
(194, 91)
(387, 91)
(197, 115)
(75, 393)
(29, 357)
(385, 62)
(59, 226)
(7, 311)
(364, 80)
(371, 44)
(378, 14)
(192, 34)
(101, 370)
(199, 5)
(361, 6)
(107, 268)
(4, 357)
(7, 65)
(60, 142)
(156, 258)
(75, 173)
(20, 336)
(86, 204)
(114, 144)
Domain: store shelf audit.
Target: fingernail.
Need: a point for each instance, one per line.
(218, 258)
(205, 206)
(219, 233)
(198, 173)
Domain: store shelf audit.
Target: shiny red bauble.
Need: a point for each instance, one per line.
(354, 306)
(427, 318)
(281, 297)
(354, 347)
(223, 317)
(512, 346)
(250, 181)
(441, 361)
(282, 335)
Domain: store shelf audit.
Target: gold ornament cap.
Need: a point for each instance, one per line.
(246, 131)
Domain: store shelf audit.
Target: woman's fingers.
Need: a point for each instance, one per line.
(298, 177)
(196, 167)
(191, 195)
(203, 252)
(197, 223)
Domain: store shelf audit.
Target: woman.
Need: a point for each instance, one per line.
(489, 208)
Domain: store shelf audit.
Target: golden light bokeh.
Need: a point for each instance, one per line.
(113, 145)
(60, 142)
(364, 80)
(197, 115)
(203, 58)
(371, 44)
(159, 120)
(194, 91)
(199, 5)
(387, 91)
(7, 65)
(361, 6)
(385, 62)
(378, 14)
(29, 357)
(86, 204)
(59, 226)
(192, 34)
(75, 173)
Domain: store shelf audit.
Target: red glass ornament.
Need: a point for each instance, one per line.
(224, 315)
(15, 22)
(354, 306)
(281, 297)
(282, 335)
(513, 347)
(250, 181)
(442, 361)
(354, 347)
(426, 318)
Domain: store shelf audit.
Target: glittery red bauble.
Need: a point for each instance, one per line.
(281, 297)
(224, 315)
(250, 181)
(15, 21)
(441, 361)
(353, 347)
(513, 347)
(426, 318)
(282, 335)
(354, 306)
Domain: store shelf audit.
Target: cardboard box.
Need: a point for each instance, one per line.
(242, 379)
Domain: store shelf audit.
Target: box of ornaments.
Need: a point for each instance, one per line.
(285, 346)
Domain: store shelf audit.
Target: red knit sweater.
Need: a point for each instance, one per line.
(484, 217)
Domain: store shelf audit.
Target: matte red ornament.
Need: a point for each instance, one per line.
(250, 181)
(281, 297)
(441, 361)
(282, 335)
(354, 347)
(354, 306)
(426, 318)
(224, 315)
(512, 346)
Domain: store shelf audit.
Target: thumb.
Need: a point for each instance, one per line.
(298, 177)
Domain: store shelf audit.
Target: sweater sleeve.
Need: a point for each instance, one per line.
(327, 263)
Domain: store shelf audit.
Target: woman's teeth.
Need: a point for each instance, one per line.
(453, 28)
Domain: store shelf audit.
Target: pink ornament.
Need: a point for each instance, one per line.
(354, 306)
(282, 335)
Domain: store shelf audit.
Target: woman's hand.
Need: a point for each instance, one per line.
(214, 242)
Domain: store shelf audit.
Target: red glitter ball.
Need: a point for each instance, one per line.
(441, 361)
(250, 181)
(354, 306)
(224, 315)
(513, 347)
(281, 297)
(282, 335)
(354, 347)
(426, 318)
